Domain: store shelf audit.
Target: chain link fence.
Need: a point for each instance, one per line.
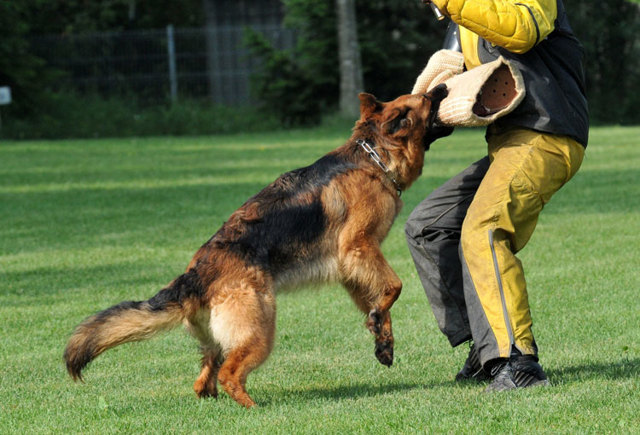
(160, 65)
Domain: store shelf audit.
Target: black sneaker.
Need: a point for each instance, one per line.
(472, 369)
(519, 372)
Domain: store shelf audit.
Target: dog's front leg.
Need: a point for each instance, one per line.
(379, 323)
(374, 287)
(383, 335)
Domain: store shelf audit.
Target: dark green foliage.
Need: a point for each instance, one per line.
(296, 86)
(27, 74)
(65, 115)
(317, 46)
(284, 87)
(609, 32)
(19, 69)
(301, 83)
(395, 38)
(81, 16)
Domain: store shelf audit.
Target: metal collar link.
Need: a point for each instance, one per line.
(376, 158)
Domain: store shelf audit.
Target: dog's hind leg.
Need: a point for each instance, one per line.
(205, 384)
(244, 324)
(237, 366)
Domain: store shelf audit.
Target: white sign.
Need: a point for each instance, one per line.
(5, 95)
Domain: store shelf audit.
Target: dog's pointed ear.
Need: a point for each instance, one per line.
(438, 93)
(368, 104)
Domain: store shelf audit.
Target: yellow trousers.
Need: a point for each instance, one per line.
(464, 238)
(526, 169)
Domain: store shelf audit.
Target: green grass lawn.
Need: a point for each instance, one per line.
(88, 223)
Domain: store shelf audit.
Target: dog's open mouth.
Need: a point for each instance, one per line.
(434, 129)
(433, 133)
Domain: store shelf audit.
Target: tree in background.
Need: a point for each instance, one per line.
(396, 39)
(351, 82)
(300, 84)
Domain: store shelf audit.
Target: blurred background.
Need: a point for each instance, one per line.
(83, 68)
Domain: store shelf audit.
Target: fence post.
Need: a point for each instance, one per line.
(173, 76)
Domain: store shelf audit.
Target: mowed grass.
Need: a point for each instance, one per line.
(89, 223)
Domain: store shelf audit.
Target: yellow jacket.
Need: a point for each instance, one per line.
(517, 25)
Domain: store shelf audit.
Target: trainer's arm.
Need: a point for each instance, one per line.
(517, 25)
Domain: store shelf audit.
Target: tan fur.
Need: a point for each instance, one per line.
(125, 327)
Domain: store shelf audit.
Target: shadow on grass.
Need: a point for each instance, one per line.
(348, 392)
(625, 368)
(621, 369)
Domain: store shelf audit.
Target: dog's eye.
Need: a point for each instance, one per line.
(399, 122)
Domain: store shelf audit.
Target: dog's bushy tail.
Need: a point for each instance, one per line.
(131, 321)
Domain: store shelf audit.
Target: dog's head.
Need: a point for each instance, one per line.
(408, 118)
(404, 128)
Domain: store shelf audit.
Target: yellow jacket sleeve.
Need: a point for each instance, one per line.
(517, 25)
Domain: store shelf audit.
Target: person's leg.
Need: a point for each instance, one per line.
(526, 169)
(433, 234)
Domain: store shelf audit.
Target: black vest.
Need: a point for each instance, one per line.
(553, 75)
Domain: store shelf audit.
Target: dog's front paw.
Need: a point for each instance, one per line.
(384, 352)
(374, 322)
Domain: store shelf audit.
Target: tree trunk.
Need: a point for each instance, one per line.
(351, 82)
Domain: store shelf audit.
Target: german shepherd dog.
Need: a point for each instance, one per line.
(324, 222)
